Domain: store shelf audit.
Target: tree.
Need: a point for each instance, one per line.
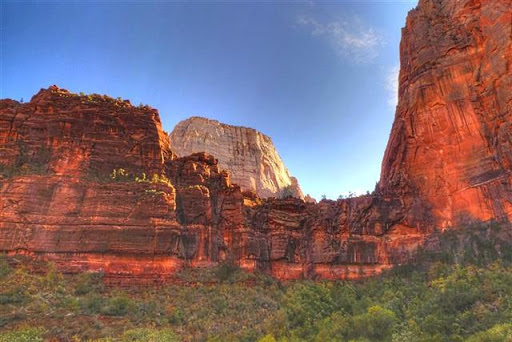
(498, 333)
(287, 191)
(376, 324)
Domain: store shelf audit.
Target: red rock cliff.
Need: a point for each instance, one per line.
(451, 142)
(91, 182)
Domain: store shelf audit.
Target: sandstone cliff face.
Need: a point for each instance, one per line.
(451, 142)
(60, 199)
(92, 183)
(64, 134)
(248, 155)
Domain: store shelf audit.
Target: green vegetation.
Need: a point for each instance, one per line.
(94, 98)
(155, 179)
(121, 175)
(464, 295)
(287, 192)
(35, 162)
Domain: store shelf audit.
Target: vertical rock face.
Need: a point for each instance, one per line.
(90, 182)
(451, 142)
(65, 134)
(248, 155)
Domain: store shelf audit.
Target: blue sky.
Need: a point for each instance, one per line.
(317, 77)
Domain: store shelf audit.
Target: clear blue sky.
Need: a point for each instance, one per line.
(318, 77)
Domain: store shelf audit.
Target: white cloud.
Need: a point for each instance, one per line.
(349, 39)
(392, 85)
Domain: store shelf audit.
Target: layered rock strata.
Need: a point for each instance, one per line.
(451, 141)
(92, 183)
(248, 155)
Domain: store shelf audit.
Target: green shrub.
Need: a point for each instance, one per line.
(5, 269)
(119, 175)
(118, 306)
(149, 335)
(305, 304)
(377, 324)
(92, 303)
(226, 271)
(22, 335)
(89, 282)
(498, 333)
(15, 296)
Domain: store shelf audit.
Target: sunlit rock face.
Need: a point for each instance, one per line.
(60, 199)
(91, 183)
(448, 160)
(248, 155)
(65, 134)
(451, 142)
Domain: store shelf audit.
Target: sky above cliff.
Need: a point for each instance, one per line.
(318, 77)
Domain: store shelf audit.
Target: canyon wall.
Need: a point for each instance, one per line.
(248, 155)
(90, 183)
(451, 141)
(93, 183)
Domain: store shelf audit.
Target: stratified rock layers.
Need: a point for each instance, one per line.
(448, 161)
(92, 184)
(248, 155)
(451, 142)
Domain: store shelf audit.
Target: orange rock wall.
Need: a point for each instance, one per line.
(448, 160)
(451, 142)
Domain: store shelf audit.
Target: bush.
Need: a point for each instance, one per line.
(92, 304)
(118, 306)
(119, 175)
(376, 325)
(306, 303)
(498, 333)
(22, 335)
(15, 296)
(89, 282)
(226, 271)
(149, 335)
(5, 269)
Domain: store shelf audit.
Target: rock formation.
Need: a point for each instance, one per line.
(451, 142)
(92, 183)
(248, 155)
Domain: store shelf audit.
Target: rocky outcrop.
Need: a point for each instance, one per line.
(248, 155)
(451, 142)
(143, 213)
(65, 134)
(92, 183)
